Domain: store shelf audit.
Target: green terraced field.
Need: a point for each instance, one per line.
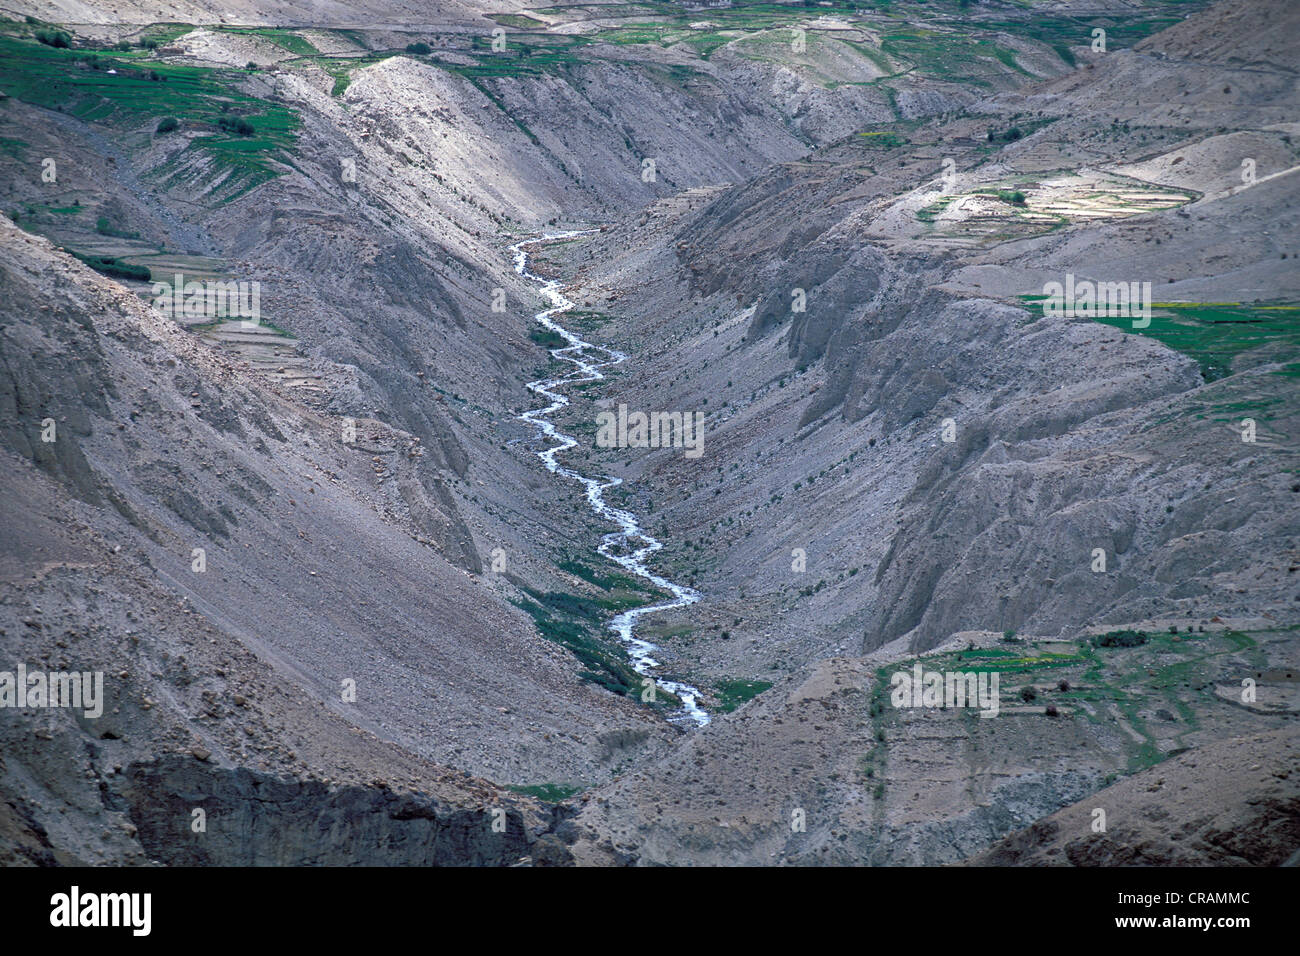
(882, 139)
(285, 39)
(949, 56)
(1168, 671)
(164, 33)
(1215, 333)
(137, 95)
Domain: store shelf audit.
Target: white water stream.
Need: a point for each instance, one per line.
(630, 546)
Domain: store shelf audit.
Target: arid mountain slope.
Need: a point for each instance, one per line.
(102, 573)
(838, 258)
(1069, 435)
(1096, 478)
(1228, 804)
(289, 12)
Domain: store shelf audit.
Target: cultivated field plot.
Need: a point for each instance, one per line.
(827, 57)
(164, 266)
(1162, 689)
(1215, 333)
(234, 140)
(1027, 206)
(267, 349)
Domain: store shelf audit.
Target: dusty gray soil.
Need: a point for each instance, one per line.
(370, 508)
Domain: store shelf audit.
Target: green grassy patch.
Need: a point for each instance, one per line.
(285, 39)
(733, 693)
(1159, 683)
(579, 624)
(609, 581)
(547, 792)
(137, 94)
(524, 55)
(112, 266)
(882, 139)
(161, 34)
(1062, 32)
(546, 338)
(1215, 333)
(948, 55)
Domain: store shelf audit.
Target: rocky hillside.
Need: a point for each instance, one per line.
(1231, 803)
(1067, 435)
(832, 516)
(328, 583)
(121, 557)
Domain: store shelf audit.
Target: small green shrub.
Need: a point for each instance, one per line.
(547, 792)
(1122, 638)
(1006, 136)
(106, 228)
(55, 38)
(238, 126)
(110, 266)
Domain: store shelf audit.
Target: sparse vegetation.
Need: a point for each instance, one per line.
(55, 38)
(1071, 436)
(134, 94)
(106, 228)
(733, 693)
(547, 792)
(237, 125)
(1123, 638)
(111, 266)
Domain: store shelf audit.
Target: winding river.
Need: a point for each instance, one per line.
(630, 546)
